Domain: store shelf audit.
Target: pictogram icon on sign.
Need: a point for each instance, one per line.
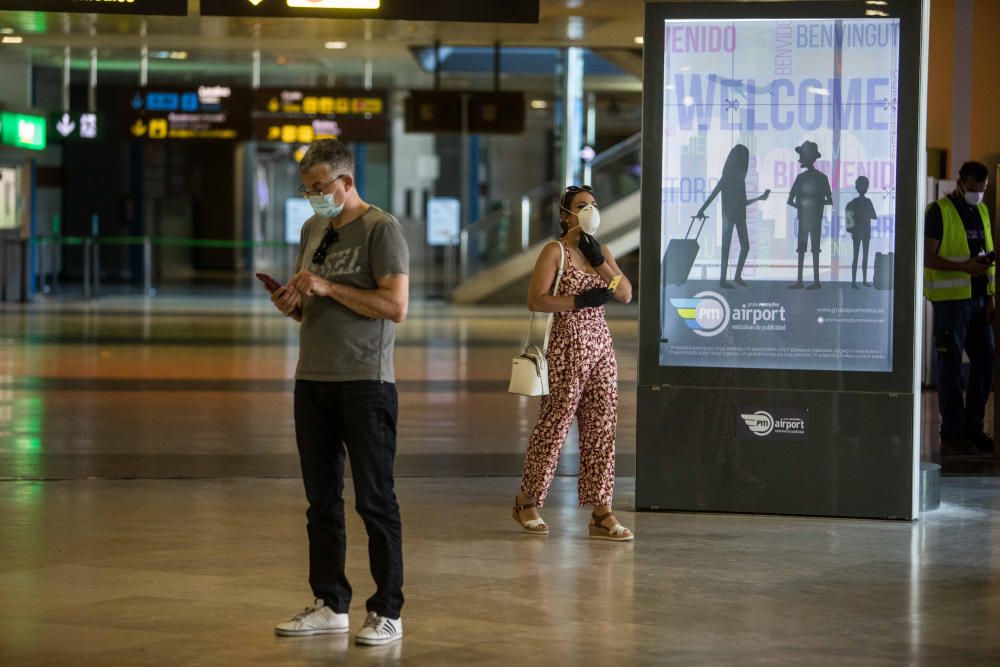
(65, 126)
(158, 128)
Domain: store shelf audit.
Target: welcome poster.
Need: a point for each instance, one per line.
(778, 197)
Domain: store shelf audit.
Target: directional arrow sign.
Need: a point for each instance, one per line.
(138, 128)
(65, 126)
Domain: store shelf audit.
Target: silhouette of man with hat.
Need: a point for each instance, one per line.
(809, 195)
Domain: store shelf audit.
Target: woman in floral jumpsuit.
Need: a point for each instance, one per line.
(583, 373)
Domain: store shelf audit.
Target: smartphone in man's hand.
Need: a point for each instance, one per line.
(270, 283)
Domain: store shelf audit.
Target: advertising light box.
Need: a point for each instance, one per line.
(444, 221)
(297, 211)
(778, 193)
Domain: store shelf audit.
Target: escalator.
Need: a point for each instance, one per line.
(498, 252)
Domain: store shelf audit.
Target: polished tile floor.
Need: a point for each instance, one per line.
(150, 514)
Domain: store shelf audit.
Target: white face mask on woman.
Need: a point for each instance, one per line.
(589, 217)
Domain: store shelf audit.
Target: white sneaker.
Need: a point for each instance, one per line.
(379, 630)
(316, 620)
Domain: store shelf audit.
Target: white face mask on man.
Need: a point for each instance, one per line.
(589, 217)
(973, 198)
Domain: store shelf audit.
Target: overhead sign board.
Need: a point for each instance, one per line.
(196, 112)
(510, 11)
(486, 112)
(73, 126)
(22, 130)
(138, 7)
(299, 116)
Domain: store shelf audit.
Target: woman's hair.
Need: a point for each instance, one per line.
(737, 164)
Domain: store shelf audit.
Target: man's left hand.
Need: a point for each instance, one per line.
(309, 283)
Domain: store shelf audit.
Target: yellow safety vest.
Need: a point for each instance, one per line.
(955, 285)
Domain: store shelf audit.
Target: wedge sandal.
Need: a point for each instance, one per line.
(617, 532)
(533, 526)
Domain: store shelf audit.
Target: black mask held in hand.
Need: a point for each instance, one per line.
(596, 296)
(591, 249)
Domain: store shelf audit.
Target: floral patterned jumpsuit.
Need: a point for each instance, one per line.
(583, 383)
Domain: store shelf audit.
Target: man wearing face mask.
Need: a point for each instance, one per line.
(959, 282)
(350, 290)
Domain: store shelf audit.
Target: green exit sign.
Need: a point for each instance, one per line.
(22, 130)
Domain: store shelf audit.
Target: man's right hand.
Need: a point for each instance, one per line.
(974, 267)
(285, 299)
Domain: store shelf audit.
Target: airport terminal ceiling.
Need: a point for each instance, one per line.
(319, 51)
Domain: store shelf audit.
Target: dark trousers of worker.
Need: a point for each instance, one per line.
(359, 419)
(962, 325)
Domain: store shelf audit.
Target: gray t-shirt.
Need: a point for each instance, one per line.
(337, 344)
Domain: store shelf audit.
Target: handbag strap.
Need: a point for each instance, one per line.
(555, 292)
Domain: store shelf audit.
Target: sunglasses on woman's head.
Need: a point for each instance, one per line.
(571, 192)
(329, 239)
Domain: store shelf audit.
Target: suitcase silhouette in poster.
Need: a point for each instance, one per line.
(883, 270)
(680, 256)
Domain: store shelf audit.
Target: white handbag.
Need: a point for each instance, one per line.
(529, 375)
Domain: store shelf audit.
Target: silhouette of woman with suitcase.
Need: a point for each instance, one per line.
(733, 187)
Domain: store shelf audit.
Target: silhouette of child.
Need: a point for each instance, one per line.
(810, 194)
(733, 187)
(859, 213)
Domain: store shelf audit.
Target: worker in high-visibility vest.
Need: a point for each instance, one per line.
(959, 282)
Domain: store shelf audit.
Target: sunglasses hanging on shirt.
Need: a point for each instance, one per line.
(329, 239)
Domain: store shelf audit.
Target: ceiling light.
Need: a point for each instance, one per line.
(178, 55)
(12, 39)
(6, 31)
(875, 12)
(336, 45)
(335, 4)
(638, 40)
(539, 104)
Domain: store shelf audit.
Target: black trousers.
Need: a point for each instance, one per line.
(359, 419)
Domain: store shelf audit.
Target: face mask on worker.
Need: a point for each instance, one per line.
(324, 206)
(973, 198)
(589, 217)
